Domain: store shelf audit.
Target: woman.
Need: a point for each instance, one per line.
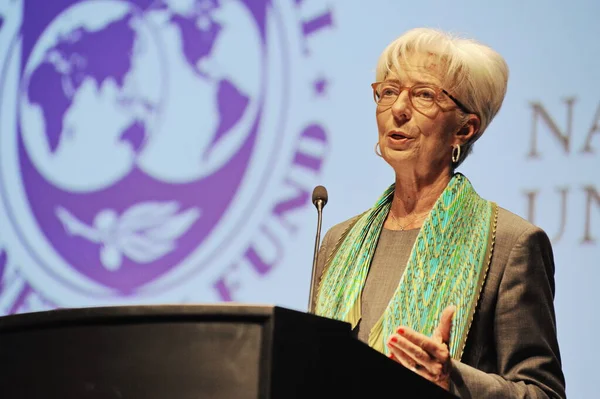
(437, 278)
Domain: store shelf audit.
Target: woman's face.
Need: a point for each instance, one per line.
(411, 140)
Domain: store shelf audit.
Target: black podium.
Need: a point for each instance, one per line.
(191, 352)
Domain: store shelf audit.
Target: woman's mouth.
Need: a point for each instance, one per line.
(398, 139)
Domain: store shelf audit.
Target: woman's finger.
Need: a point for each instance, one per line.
(407, 361)
(417, 356)
(445, 326)
(433, 347)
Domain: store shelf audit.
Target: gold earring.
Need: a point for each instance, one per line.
(456, 153)
(377, 151)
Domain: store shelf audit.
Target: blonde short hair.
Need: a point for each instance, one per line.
(472, 72)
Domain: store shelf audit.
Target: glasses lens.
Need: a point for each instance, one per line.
(423, 97)
(386, 94)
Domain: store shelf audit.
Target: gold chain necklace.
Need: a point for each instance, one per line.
(401, 227)
(414, 219)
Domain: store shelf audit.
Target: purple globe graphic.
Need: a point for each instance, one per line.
(133, 139)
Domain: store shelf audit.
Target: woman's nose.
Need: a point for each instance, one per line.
(402, 108)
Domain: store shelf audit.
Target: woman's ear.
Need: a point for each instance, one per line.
(469, 130)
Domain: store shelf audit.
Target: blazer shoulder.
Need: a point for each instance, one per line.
(519, 239)
(511, 227)
(335, 232)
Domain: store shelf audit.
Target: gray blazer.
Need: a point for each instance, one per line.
(512, 349)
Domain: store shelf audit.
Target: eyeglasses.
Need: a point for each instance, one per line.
(426, 99)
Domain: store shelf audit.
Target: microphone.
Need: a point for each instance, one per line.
(319, 200)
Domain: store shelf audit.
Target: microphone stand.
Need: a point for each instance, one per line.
(319, 205)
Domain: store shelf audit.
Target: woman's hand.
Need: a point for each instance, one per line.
(427, 356)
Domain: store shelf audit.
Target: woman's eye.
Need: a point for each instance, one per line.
(425, 94)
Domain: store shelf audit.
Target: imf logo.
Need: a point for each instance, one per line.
(137, 140)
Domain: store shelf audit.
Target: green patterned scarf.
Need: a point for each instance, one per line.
(447, 266)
